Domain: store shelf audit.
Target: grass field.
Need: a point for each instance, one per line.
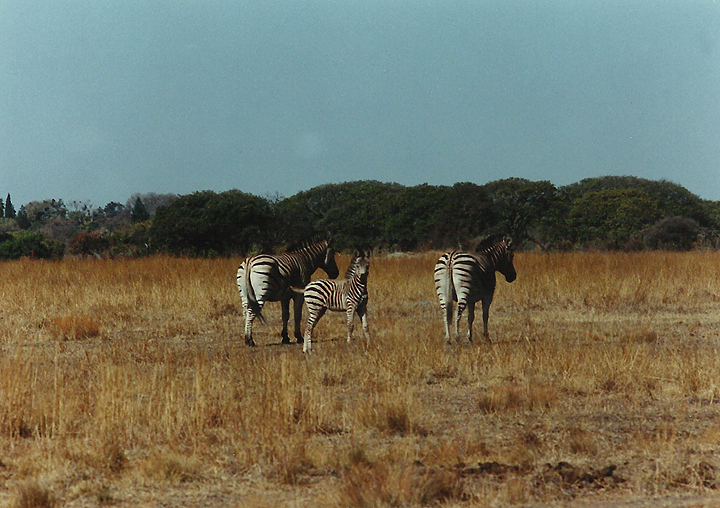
(128, 383)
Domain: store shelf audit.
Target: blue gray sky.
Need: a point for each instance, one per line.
(100, 99)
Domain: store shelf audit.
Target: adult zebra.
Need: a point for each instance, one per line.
(267, 278)
(349, 295)
(468, 277)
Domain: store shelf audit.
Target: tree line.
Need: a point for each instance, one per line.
(609, 213)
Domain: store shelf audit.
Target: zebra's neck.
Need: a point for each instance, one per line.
(494, 253)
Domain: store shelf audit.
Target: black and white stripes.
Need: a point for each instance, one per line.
(469, 277)
(268, 278)
(349, 295)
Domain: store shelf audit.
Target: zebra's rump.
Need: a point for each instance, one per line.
(259, 279)
(462, 277)
(443, 279)
(326, 293)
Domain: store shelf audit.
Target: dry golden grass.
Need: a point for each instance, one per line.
(128, 383)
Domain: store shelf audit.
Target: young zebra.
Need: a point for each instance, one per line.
(267, 278)
(349, 295)
(468, 277)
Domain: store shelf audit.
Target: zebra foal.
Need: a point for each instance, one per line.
(469, 277)
(349, 295)
(268, 278)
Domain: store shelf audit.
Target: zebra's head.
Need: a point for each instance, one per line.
(359, 266)
(328, 265)
(504, 263)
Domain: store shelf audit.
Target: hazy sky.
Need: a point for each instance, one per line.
(101, 99)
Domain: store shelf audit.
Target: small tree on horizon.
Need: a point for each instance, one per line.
(9, 208)
(139, 213)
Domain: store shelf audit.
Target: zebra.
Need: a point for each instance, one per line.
(349, 295)
(268, 278)
(468, 277)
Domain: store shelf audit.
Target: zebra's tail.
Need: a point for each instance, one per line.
(249, 292)
(450, 295)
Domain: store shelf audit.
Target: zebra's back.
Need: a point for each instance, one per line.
(472, 277)
(328, 293)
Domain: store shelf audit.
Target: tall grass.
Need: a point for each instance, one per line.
(133, 375)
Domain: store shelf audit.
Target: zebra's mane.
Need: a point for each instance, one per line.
(350, 272)
(490, 242)
(351, 269)
(304, 244)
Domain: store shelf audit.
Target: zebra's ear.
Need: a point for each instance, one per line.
(508, 241)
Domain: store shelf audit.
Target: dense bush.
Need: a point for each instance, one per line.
(206, 223)
(608, 212)
(84, 243)
(32, 244)
(672, 233)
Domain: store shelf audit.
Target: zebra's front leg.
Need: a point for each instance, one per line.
(285, 302)
(486, 317)
(298, 305)
(362, 313)
(350, 322)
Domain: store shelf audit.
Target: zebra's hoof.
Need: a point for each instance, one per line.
(250, 342)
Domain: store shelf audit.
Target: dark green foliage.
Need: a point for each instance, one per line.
(9, 208)
(672, 233)
(139, 213)
(206, 223)
(530, 210)
(672, 200)
(33, 244)
(610, 218)
(608, 213)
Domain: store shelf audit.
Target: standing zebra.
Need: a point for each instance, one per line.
(267, 278)
(349, 295)
(468, 277)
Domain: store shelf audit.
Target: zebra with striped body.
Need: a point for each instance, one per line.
(469, 277)
(349, 295)
(268, 278)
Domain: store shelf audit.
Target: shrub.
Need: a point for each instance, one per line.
(83, 243)
(672, 233)
(33, 244)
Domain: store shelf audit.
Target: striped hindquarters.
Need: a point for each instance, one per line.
(443, 280)
(466, 275)
(259, 281)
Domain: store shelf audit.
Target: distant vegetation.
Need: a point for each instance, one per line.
(608, 213)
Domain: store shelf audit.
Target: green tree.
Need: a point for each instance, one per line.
(612, 217)
(672, 200)
(33, 244)
(462, 213)
(139, 213)
(9, 208)
(672, 233)
(528, 210)
(206, 223)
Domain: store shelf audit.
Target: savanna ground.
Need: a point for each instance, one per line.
(128, 383)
